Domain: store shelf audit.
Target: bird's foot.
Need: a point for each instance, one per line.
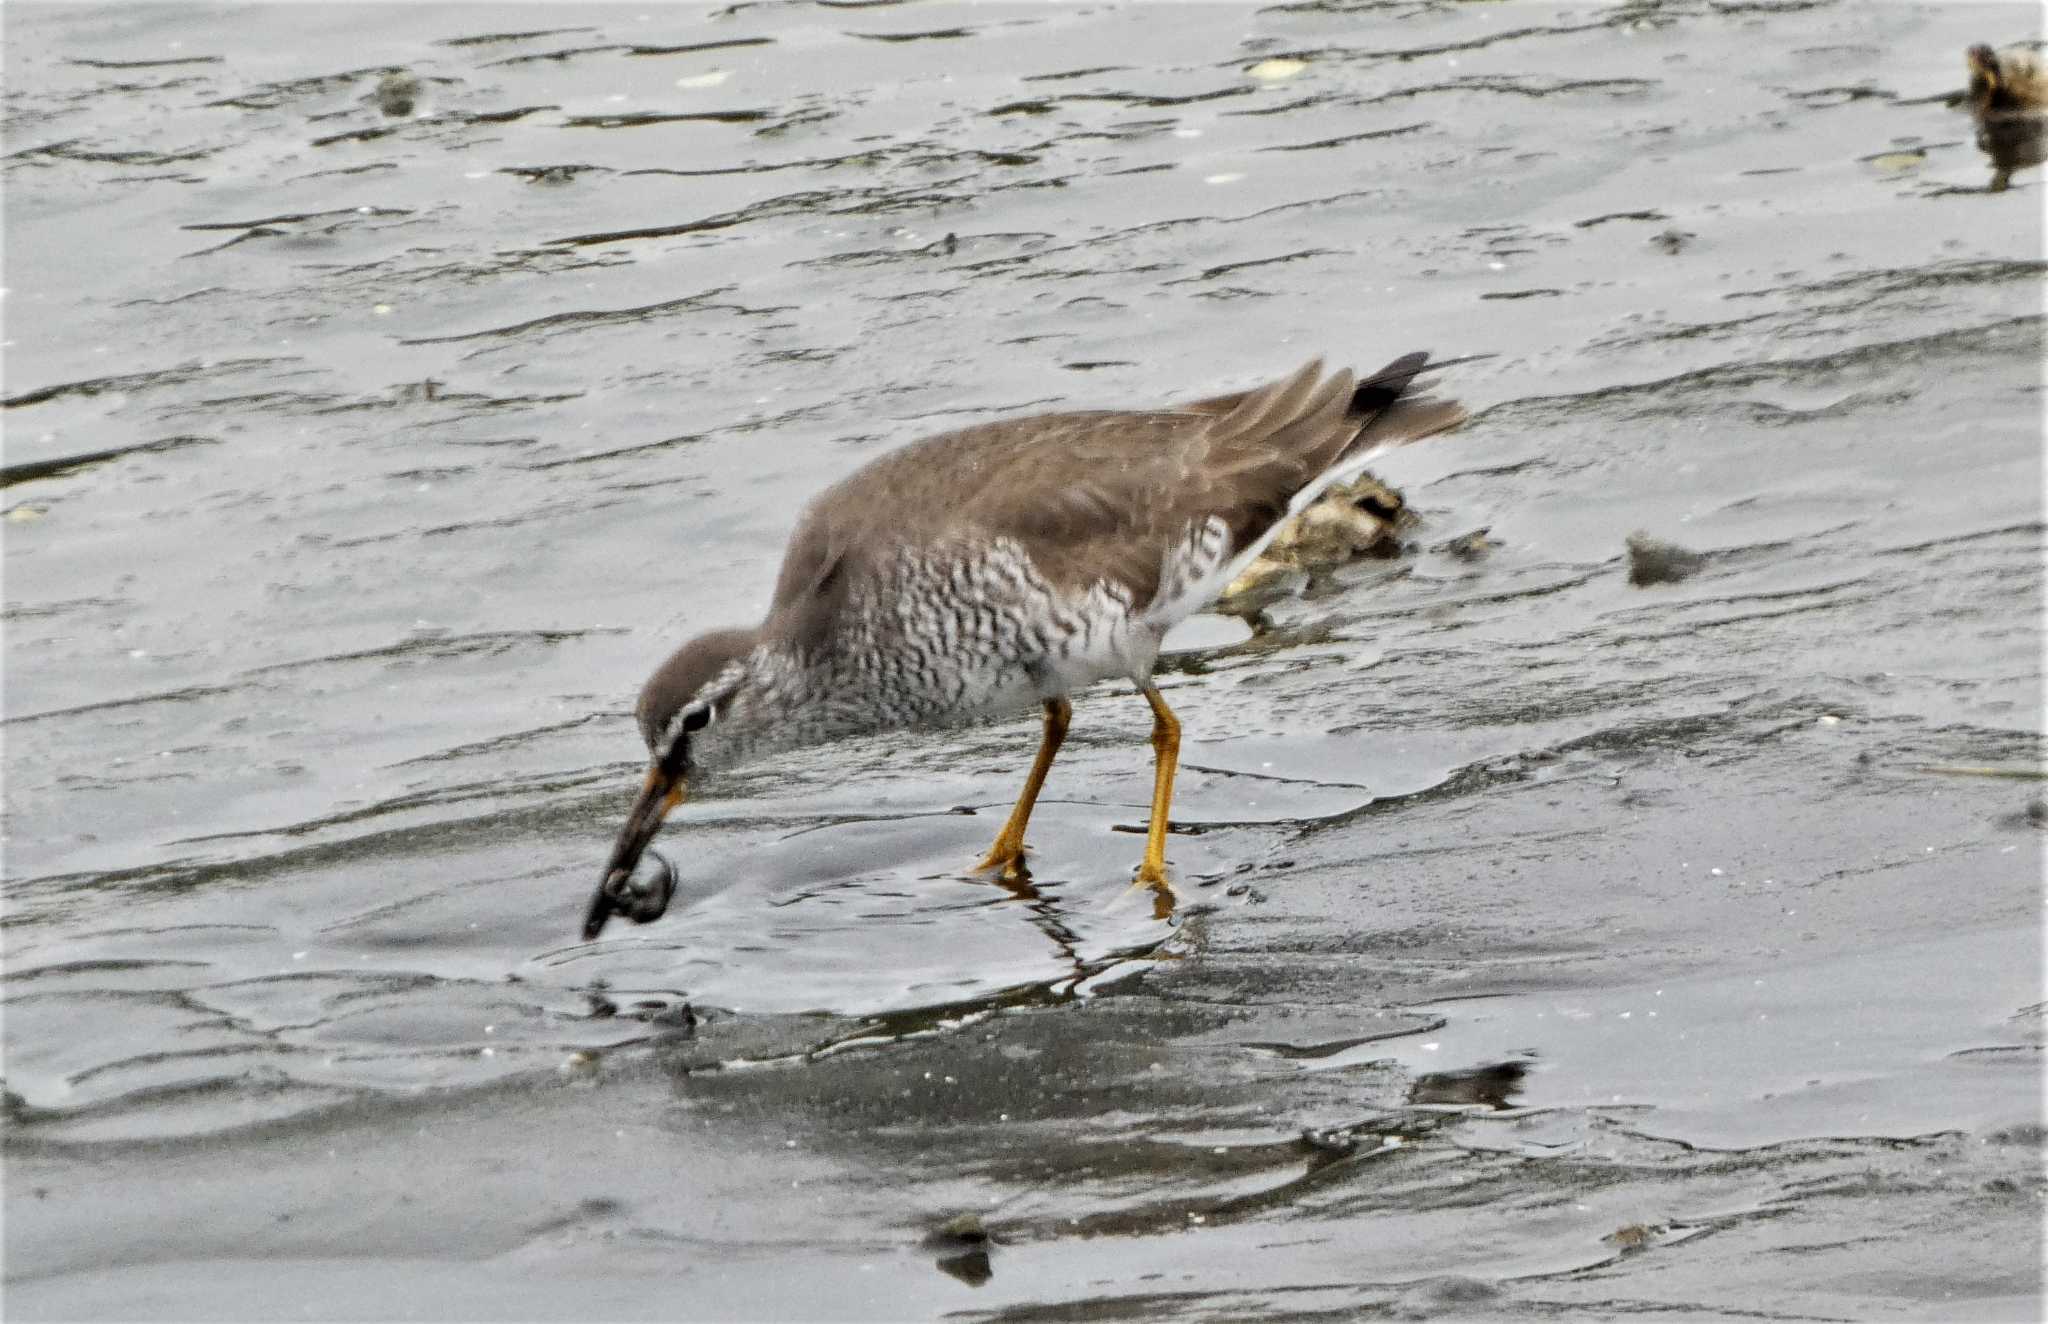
(1152, 875)
(1164, 899)
(1006, 862)
(1011, 874)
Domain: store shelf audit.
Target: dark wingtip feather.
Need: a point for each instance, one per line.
(1379, 390)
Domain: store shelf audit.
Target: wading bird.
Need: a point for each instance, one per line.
(975, 573)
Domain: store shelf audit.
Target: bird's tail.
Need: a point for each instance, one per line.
(1390, 413)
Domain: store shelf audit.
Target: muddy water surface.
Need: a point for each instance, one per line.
(1551, 945)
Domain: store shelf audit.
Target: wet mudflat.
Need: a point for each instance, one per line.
(1552, 944)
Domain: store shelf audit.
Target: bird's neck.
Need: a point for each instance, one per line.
(792, 699)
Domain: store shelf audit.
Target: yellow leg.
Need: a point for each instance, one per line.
(1008, 852)
(1165, 758)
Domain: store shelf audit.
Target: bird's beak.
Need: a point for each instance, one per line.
(616, 893)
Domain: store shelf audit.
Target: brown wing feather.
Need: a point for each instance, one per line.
(1102, 494)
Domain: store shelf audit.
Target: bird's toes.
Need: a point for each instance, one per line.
(1006, 864)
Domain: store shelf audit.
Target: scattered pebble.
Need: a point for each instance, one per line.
(960, 1230)
(553, 176)
(1653, 562)
(398, 92)
(1633, 1236)
(1451, 1296)
(1672, 242)
(1473, 546)
(2033, 814)
(679, 1016)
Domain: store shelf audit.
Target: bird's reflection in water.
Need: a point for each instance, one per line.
(1017, 882)
(1047, 917)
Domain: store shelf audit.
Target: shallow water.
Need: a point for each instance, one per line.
(434, 432)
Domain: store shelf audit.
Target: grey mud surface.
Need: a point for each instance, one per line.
(360, 466)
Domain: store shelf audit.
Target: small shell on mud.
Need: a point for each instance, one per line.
(1633, 1236)
(1276, 70)
(1893, 163)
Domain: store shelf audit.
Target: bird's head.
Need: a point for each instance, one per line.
(679, 711)
(682, 702)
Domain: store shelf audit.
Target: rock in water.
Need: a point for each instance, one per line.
(2008, 97)
(1654, 562)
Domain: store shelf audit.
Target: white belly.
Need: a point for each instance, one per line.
(1110, 640)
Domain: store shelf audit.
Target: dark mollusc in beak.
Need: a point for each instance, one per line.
(617, 893)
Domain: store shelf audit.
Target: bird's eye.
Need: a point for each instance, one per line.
(698, 720)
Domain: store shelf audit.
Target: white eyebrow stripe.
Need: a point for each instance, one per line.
(673, 731)
(706, 701)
